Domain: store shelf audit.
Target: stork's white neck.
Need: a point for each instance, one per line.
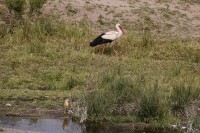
(120, 32)
(119, 29)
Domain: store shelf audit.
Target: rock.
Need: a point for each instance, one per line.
(174, 126)
(8, 105)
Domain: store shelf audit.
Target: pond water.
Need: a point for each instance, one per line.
(60, 125)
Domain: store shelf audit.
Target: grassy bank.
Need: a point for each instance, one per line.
(153, 78)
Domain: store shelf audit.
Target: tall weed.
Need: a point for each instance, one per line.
(180, 96)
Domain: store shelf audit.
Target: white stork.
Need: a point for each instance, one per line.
(108, 37)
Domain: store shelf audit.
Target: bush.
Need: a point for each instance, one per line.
(150, 105)
(100, 104)
(181, 96)
(15, 5)
(114, 94)
(123, 91)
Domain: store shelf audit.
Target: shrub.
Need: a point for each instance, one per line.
(150, 105)
(15, 5)
(181, 96)
(100, 104)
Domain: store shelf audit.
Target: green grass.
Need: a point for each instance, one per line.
(45, 61)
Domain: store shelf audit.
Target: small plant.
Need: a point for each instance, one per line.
(71, 83)
(100, 20)
(3, 30)
(147, 40)
(47, 26)
(71, 11)
(14, 64)
(36, 5)
(36, 48)
(17, 6)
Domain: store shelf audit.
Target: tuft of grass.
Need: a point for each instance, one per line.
(181, 96)
(150, 105)
(105, 103)
(71, 11)
(71, 83)
(16, 6)
(196, 123)
(36, 5)
(3, 30)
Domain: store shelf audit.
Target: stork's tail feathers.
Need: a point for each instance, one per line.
(99, 40)
(92, 44)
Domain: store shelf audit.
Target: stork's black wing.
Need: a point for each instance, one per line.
(99, 40)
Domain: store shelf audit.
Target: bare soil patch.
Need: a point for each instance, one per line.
(174, 16)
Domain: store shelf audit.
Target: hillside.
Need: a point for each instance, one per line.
(154, 78)
(162, 16)
(169, 16)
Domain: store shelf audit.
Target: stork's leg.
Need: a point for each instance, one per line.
(99, 49)
(114, 49)
(102, 52)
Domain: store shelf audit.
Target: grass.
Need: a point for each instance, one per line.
(44, 61)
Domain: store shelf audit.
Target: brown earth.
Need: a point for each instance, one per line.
(19, 110)
(163, 16)
(175, 16)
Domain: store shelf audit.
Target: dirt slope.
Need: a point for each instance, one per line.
(174, 16)
(180, 17)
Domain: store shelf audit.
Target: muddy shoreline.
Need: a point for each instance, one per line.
(30, 112)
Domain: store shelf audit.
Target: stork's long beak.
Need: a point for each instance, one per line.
(122, 29)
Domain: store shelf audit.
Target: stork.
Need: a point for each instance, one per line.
(108, 37)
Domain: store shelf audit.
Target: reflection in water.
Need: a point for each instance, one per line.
(65, 124)
(52, 125)
(44, 125)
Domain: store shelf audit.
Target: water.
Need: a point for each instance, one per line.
(44, 125)
(59, 125)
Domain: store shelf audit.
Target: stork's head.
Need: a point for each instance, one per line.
(118, 26)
